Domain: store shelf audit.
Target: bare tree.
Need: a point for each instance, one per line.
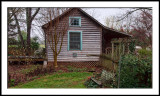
(13, 16)
(56, 31)
(139, 24)
(123, 22)
(110, 22)
(29, 19)
(128, 13)
(142, 29)
(11, 24)
(17, 15)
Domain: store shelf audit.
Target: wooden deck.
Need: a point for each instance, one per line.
(25, 58)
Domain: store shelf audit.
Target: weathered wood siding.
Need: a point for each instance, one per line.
(91, 41)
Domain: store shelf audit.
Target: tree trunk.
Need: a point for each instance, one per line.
(28, 18)
(28, 40)
(55, 60)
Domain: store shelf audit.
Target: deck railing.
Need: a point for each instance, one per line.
(108, 50)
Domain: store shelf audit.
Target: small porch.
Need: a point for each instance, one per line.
(112, 42)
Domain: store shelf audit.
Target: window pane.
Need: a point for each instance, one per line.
(74, 40)
(74, 21)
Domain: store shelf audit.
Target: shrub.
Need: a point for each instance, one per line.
(135, 72)
(144, 53)
(34, 41)
(35, 45)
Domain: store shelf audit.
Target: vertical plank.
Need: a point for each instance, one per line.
(123, 48)
(112, 49)
(128, 47)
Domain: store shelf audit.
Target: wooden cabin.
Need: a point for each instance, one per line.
(85, 35)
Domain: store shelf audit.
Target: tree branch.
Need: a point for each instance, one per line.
(130, 12)
(14, 11)
(35, 14)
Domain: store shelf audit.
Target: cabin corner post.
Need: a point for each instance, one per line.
(101, 41)
(45, 36)
(45, 62)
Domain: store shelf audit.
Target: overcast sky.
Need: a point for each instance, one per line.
(101, 13)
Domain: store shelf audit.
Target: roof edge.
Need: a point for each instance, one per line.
(105, 27)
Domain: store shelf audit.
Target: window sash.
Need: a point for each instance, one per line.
(75, 40)
(75, 21)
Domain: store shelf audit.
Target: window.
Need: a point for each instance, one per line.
(74, 40)
(74, 21)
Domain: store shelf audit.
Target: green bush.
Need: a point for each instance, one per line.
(135, 72)
(34, 45)
(34, 41)
(144, 53)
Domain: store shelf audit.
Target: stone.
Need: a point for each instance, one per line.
(44, 64)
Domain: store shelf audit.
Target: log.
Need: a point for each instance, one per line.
(96, 81)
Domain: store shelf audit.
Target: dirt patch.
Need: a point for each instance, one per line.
(17, 68)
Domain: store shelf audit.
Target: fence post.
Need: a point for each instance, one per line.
(128, 47)
(123, 48)
(44, 64)
(112, 50)
(119, 63)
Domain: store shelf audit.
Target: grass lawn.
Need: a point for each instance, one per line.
(58, 80)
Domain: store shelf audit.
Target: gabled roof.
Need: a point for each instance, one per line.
(104, 27)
